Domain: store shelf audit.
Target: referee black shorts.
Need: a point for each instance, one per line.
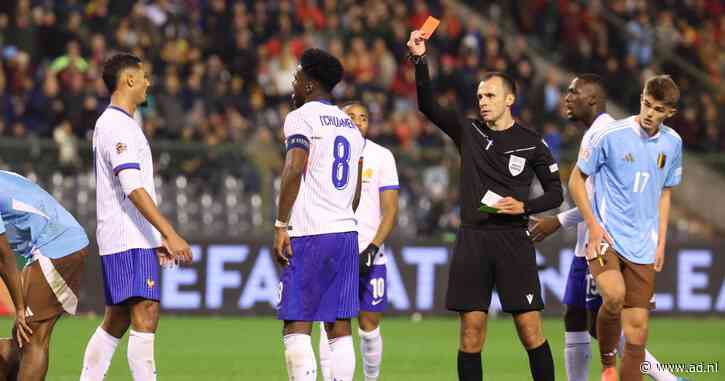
(488, 259)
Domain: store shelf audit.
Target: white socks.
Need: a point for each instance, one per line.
(577, 353)
(371, 348)
(343, 358)
(99, 353)
(141, 356)
(325, 355)
(655, 372)
(299, 357)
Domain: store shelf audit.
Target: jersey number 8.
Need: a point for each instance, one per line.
(341, 162)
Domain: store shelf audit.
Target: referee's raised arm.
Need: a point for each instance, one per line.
(447, 120)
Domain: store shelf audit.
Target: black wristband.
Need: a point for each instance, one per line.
(374, 246)
(416, 59)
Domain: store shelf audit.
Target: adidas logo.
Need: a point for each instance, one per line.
(629, 158)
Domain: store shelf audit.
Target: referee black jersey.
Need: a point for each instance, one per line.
(504, 162)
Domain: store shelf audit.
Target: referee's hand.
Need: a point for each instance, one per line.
(509, 205)
(367, 257)
(416, 43)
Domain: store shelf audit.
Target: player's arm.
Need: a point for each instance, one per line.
(665, 202)
(176, 246)
(547, 171)
(445, 119)
(294, 168)
(389, 205)
(580, 195)
(674, 178)
(11, 276)
(358, 185)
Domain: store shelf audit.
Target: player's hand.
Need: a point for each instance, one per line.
(597, 235)
(659, 258)
(178, 248)
(22, 328)
(282, 246)
(416, 43)
(165, 259)
(543, 227)
(509, 205)
(367, 257)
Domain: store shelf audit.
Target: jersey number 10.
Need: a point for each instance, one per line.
(341, 162)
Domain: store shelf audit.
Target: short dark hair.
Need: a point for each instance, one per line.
(354, 103)
(663, 89)
(594, 79)
(508, 81)
(322, 66)
(113, 67)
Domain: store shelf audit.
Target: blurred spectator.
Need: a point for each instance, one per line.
(67, 142)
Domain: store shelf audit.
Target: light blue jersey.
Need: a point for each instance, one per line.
(33, 220)
(631, 170)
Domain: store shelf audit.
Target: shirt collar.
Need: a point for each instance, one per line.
(120, 109)
(641, 132)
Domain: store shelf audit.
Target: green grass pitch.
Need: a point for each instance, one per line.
(189, 348)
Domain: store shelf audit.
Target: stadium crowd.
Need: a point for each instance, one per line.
(629, 41)
(222, 72)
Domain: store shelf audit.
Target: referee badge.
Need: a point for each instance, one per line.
(661, 160)
(516, 165)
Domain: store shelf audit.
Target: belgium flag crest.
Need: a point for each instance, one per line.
(661, 160)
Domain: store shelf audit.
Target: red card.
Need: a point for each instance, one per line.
(429, 26)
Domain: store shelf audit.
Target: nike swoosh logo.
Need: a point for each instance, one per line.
(376, 302)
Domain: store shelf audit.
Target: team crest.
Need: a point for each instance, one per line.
(150, 283)
(661, 160)
(367, 175)
(516, 165)
(120, 148)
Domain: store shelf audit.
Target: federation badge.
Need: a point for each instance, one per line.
(661, 160)
(120, 148)
(516, 165)
(367, 175)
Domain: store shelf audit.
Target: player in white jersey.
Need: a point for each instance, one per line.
(376, 215)
(133, 236)
(585, 102)
(320, 189)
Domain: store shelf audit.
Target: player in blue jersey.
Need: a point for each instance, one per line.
(636, 162)
(316, 229)
(35, 226)
(585, 103)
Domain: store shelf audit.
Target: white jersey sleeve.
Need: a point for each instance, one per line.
(570, 218)
(297, 132)
(121, 149)
(388, 173)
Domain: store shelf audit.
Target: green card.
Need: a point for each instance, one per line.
(487, 209)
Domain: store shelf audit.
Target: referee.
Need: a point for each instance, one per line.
(499, 158)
